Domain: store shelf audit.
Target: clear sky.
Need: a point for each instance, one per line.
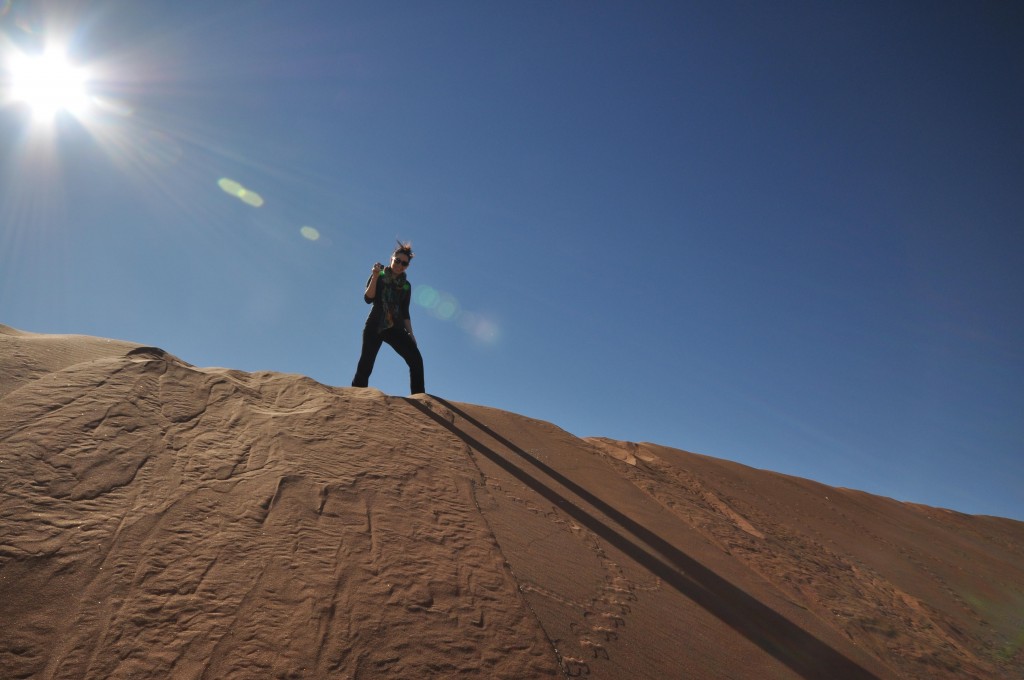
(789, 234)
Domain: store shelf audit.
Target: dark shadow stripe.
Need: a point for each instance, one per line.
(791, 645)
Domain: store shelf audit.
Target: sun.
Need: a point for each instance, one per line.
(48, 83)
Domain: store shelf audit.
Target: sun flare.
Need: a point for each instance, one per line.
(48, 83)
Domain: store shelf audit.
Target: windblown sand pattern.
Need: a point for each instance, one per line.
(159, 520)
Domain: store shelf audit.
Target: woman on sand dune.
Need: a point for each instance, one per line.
(389, 291)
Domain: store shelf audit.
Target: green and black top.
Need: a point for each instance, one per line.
(391, 306)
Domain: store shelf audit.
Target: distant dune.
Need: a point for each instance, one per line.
(159, 520)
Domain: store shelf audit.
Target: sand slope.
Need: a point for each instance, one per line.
(159, 520)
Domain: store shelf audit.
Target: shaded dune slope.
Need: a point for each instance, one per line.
(162, 520)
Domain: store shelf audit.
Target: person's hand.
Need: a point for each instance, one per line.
(377, 268)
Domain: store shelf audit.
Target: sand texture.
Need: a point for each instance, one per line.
(160, 520)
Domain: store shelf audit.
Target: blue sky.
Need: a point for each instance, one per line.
(785, 234)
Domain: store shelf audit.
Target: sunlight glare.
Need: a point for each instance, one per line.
(113, 107)
(48, 83)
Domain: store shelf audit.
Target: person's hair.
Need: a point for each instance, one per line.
(404, 249)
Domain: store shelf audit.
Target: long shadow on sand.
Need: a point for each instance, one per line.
(793, 646)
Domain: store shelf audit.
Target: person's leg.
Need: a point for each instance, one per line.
(407, 349)
(371, 345)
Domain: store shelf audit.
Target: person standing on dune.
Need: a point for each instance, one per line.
(389, 291)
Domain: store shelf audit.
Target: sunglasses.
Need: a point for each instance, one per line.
(404, 263)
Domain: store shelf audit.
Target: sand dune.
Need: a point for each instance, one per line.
(159, 520)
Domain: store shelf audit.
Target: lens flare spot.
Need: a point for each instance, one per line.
(233, 188)
(486, 331)
(426, 297)
(5, 7)
(229, 186)
(251, 198)
(481, 329)
(446, 309)
(310, 233)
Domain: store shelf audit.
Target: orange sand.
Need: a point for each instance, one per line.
(159, 520)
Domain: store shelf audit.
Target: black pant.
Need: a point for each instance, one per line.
(402, 343)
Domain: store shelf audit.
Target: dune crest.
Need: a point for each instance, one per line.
(160, 520)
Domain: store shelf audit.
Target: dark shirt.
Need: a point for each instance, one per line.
(391, 304)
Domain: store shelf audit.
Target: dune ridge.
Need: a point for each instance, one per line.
(160, 520)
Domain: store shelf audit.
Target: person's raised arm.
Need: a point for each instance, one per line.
(371, 285)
